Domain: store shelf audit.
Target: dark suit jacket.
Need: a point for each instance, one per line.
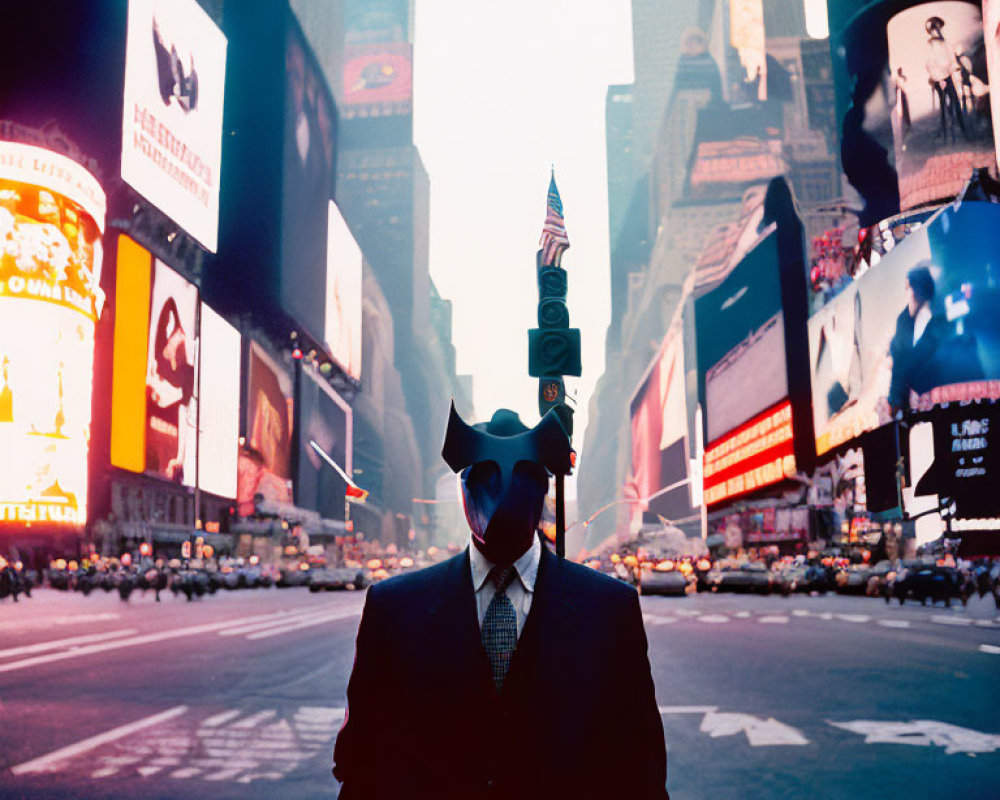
(577, 717)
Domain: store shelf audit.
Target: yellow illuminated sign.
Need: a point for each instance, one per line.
(50, 299)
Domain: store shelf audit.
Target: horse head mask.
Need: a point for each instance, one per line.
(505, 468)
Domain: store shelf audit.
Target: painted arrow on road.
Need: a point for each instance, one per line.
(923, 733)
(759, 732)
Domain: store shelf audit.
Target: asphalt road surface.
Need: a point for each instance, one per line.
(241, 695)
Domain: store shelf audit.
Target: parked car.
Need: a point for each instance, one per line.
(742, 578)
(672, 583)
(334, 578)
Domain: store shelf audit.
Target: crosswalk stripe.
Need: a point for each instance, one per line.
(72, 641)
(333, 617)
(43, 763)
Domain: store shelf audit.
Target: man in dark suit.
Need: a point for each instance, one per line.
(503, 672)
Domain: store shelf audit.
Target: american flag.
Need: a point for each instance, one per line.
(554, 239)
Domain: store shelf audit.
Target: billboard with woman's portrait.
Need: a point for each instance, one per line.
(921, 327)
(171, 367)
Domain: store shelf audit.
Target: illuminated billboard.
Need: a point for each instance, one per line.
(219, 430)
(941, 118)
(758, 453)
(307, 185)
(659, 433)
(265, 461)
(51, 220)
(378, 79)
(741, 341)
(727, 166)
(175, 71)
(747, 36)
(343, 295)
(154, 403)
(327, 421)
(919, 328)
(171, 369)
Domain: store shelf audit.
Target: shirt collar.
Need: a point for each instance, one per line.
(526, 566)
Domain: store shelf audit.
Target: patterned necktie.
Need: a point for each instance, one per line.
(500, 626)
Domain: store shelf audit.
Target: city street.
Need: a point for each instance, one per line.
(240, 695)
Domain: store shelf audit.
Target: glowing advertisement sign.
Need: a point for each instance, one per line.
(378, 79)
(757, 454)
(219, 429)
(941, 118)
(343, 294)
(175, 72)
(51, 220)
(265, 463)
(920, 328)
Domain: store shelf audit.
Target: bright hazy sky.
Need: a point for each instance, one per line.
(502, 91)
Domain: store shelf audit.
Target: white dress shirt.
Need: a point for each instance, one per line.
(520, 589)
(920, 322)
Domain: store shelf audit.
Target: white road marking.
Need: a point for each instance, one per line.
(985, 623)
(989, 648)
(801, 612)
(923, 733)
(687, 709)
(759, 732)
(941, 619)
(825, 615)
(47, 762)
(713, 618)
(853, 617)
(185, 772)
(147, 772)
(239, 630)
(149, 638)
(72, 641)
(253, 720)
(742, 614)
(219, 719)
(332, 617)
(774, 620)
(894, 623)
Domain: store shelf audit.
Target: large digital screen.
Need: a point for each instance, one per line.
(741, 341)
(757, 454)
(171, 372)
(378, 79)
(327, 421)
(343, 294)
(724, 166)
(175, 72)
(219, 421)
(51, 219)
(941, 121)
(265, 461)
(921, 327)
(307, 186)
(659, 433)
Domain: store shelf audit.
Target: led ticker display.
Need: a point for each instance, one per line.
(175, 71)
(758, 453)
(51, 219)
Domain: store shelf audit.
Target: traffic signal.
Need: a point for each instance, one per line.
(554, 352)
(551, 392)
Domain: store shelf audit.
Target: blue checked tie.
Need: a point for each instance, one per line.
(500, 626)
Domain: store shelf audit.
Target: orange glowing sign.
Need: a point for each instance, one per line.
(756, 454)
(51, 219)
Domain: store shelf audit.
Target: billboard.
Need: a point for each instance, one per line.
(326, 420)
(726, 166)
(342, 328)
(746, 35)
(307, 186)
(175, 71)
(171, 370)
(920, 328)
(378, 79)
(51, 219)
(941, 118)
(757, 454)
(265, 462)
(659, 433)
(991, 42)
(219, 420)
(741, 341)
